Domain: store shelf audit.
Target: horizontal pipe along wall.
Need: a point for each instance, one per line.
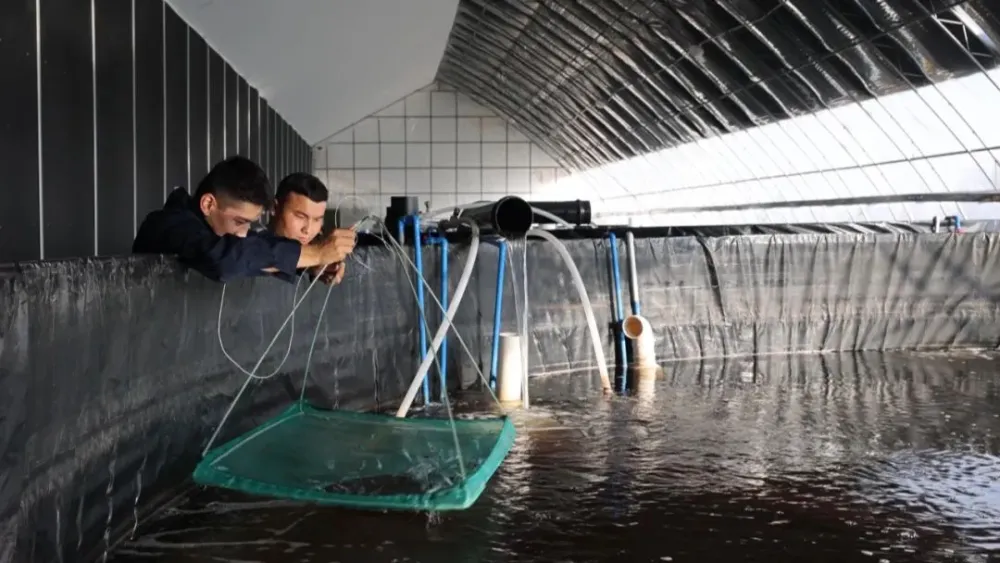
(112, 369)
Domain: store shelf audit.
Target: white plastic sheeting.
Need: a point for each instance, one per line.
(939, 138)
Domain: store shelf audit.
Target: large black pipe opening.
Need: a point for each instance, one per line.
(512, 217)
(509, 216)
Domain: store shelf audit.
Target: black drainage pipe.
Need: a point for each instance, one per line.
(512, 217)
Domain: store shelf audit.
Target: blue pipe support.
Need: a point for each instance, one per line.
(619, 310)
(443, 351)
(418, 257)
(498, 311)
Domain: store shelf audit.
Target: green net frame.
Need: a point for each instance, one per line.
(362, 460)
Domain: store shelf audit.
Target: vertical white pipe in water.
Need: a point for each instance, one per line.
(510, 369)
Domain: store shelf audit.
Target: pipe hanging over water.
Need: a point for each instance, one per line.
(512, 216)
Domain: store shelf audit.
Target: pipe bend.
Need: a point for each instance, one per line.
(588, 310)
(637, 329)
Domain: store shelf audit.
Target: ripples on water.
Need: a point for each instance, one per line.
(834, 458)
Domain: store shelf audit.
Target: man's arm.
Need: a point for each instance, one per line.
(222, 258)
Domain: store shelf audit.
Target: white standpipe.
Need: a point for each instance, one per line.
(442, 332)
(595, 335)
(645, 380)
(638, 330)
(510, 368)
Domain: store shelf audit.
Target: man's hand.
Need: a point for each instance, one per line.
(333, 275)
(337, 247)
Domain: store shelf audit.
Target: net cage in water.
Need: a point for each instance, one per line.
(362, 460)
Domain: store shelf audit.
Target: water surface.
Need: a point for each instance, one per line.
(807, 458)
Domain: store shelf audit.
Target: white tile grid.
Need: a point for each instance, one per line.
(438, 145)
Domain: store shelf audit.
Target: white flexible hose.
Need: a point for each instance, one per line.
(595, 335)
(222, 345)
(442, 331)
(401, 254)
(253, 372)
(551, 216)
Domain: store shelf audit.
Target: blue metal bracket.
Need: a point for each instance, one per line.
(502, 246)
(438, 240)
(619, 305)
(418, 259)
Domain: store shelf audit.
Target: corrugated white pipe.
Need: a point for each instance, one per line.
(595, 335)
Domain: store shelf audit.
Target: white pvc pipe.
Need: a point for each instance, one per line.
(442, 331)
(645, 381)
(595, 335)
(638, 330)
(510, 368)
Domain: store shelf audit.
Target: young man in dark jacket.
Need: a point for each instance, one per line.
(211, 231)
(300, 205)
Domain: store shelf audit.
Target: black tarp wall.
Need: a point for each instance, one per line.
(112, 379)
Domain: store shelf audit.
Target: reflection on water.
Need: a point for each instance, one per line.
(811, 458)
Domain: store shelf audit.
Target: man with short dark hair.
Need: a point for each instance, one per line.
(211, 231)
(300, 206)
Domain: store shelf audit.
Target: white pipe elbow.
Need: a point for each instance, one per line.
(640, 332)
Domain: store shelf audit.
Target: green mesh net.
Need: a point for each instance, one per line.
(362, 460)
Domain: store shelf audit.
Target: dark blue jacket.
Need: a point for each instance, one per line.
(180, 229)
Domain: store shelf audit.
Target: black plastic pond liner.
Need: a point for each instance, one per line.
(111, 373)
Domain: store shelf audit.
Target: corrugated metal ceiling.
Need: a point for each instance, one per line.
(596, 81)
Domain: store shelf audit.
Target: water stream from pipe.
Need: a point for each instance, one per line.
(517, 263)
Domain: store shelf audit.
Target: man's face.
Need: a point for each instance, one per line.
(299, 218)
(228, 217)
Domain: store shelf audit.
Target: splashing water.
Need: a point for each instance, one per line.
(519, 249)
(109, 493)
(138, 494)
(59, 550)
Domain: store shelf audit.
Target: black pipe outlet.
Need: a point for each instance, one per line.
(509, 216)
(512, 217)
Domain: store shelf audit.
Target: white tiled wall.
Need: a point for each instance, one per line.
(942, 138)
(435, 144)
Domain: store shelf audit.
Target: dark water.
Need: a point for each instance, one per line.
(835, 458)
